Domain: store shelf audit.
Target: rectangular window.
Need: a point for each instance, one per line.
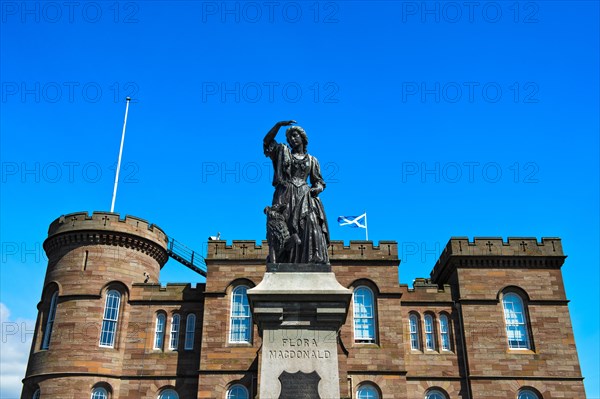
(414, 332)
(444, 333)
(160, 331)
(174, 341)
(190, 327)
(109, 322)
(364, 320)
(50, 321)
(240, 317)
(429, 338)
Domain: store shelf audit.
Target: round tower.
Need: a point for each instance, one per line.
(82, 329)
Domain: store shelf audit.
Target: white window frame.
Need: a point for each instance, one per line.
(445, 332)
(435, 394)
(50, 321)
(240, 317)
(110, 322)
(168, 394)
(99, 393)
(174, 335)
(367, 391)
(36, 394)
(413, 322)
(515, 321)
(159, 332)
(190, 329)
(364, 314)
(527, 394)
(429, 330)
(234, 392)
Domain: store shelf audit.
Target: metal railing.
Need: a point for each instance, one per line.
(187, 256)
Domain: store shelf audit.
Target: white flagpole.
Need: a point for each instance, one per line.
(114, 197)
(366, 227)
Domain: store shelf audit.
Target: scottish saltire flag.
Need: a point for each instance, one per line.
(354, 221)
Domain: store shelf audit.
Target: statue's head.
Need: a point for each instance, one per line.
(301, 133)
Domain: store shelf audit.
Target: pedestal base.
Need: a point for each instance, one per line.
(299, 312)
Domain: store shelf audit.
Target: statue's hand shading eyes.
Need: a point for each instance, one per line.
(286, 123)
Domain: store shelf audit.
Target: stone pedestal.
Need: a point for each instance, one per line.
(299, 309)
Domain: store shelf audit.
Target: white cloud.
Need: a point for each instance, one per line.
(15, 344)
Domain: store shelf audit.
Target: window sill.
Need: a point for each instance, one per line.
(240, 344)
(365, 345)
(518, 351)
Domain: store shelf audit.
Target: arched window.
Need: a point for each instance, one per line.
(429, 333)
(528, 394)
(99, 393)
(444, 333)
(174, 341)
(413, 322)
(50, 321)
(159, 334)
(241, 319)
(111, 316)
(367, 391)
(517, 331)
(237, 391)
(435, 394)
(168, 394)
(364, 315)
(36, 394)
(190, 328)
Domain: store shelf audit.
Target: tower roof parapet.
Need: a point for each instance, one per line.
(490, 248)
(108, 228)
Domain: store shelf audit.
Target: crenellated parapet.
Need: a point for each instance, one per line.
(494, 252)
(171, 293)
(248, 250)
(106, 228)
(425, 291)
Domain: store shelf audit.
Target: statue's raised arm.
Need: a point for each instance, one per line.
(273, 132)
(297, 228)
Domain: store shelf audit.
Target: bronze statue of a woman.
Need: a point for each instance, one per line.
(297, 228)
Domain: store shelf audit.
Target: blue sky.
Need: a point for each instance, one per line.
(439, 119)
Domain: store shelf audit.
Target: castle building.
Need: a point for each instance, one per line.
(491, 322)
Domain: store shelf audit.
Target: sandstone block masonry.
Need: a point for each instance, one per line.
(447, 332)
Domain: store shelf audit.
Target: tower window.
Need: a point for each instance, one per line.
(364, 315)
(50, 321)
(517, 331)
(111, 316)
(240, 317)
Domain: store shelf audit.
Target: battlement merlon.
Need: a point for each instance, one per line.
(495, 252)
(110, 229)
(248, 250)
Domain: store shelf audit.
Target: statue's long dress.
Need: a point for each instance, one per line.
(304, 214)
